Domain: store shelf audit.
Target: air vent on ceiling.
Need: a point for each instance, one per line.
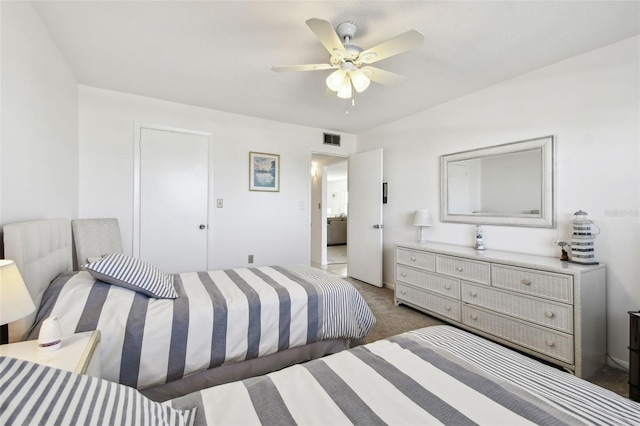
(330, 139)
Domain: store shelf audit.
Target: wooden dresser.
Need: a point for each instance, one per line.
(553, 310)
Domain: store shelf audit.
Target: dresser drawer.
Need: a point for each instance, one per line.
(544, 284)
(441, 305)
(437, 283)
(418, 259)
(549, 314)
(478, 272)
(548, 342)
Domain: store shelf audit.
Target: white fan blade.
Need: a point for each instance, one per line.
(398, 44)
(309, 67)
(383, 77)
(327, 36)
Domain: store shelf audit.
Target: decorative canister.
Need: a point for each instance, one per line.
(479, 238)
(582, 239)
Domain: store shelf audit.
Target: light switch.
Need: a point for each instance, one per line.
(219, 203)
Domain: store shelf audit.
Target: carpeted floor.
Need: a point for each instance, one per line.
(337, 255)
(393, 320)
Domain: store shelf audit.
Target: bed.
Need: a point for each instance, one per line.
(435, 375)
(223, 326)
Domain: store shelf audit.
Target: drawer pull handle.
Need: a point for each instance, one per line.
(404, 274)
(526, 281)
(550, 314)
(474, 317)
(473, 293)
(447, 308)
(459, 268)
(447, 286)
(413, 259)
(550, 343)
(403, 291)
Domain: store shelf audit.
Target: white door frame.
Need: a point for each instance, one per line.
(138, 127)
(323, 239)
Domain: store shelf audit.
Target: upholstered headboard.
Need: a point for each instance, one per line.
(41, 250)
(94, 238)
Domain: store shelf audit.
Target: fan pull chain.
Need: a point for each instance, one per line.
(353, 102)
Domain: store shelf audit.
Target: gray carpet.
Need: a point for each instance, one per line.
(393, 320)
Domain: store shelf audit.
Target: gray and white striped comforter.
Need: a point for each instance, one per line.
(436, 375)
(220, 317)
(36, 394)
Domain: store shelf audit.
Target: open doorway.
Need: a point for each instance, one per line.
(329, 217)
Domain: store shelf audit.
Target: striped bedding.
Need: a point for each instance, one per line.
(35, 394)
(436, 375)
(220, 317)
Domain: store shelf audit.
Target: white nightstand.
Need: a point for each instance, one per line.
(79, 353)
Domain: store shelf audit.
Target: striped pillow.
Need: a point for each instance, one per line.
(36, 394)
(133, 274)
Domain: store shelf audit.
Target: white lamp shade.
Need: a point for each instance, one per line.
(15, 300)
(359, 80)
(336, 80)
(422, 218)
(345, 91)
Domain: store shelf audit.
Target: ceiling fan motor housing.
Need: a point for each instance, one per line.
(346, 29)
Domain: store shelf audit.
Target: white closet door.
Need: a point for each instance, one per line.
(174, 188)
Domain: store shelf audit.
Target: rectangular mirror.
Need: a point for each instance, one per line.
(511, 184)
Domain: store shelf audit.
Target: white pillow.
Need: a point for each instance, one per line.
(133, 274)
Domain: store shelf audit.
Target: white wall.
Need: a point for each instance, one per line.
(337, 196)
(39, 116)
(592, 104)
(274, 227)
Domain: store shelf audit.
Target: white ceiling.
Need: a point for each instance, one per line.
(218, 54)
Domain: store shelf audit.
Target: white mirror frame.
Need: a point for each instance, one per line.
(547, 216)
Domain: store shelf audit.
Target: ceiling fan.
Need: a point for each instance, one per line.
(350, 61)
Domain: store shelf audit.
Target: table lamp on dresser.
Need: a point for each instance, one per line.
(15, 300)
(422, 218)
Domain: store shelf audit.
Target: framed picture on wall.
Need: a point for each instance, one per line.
(264, 172)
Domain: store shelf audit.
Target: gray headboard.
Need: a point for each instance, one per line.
(41, 250)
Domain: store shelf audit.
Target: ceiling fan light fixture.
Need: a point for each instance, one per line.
(345, 91)
(359, 80)
(346, 57)
(336, 80)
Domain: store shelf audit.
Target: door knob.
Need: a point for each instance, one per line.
(202, 226)
(378, 226)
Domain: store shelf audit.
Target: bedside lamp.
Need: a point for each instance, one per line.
(422, 218)
(15, 300)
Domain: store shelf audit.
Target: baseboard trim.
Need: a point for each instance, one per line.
(617, 363)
